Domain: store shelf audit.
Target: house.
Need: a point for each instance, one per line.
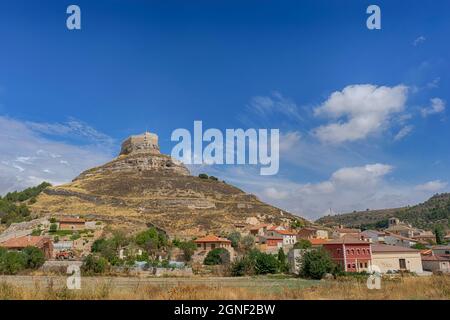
(353, 255)
(259, 230)
(43, 243)
(312, 233)
(395, 226)
(68, 223)
(318, 243)
(341, 232)
(210, 242)
(373, 236)
(391, 258)
(270, 244)
(441, 250)
(436, 263)
(425, 237)
(289, 237)
(398, 240)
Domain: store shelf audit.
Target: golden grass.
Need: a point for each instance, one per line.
(435, 287)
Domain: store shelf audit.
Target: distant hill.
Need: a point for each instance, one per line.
(435, 211)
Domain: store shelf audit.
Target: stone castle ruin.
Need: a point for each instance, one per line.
(143, 143)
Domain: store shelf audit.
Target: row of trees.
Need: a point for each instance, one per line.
(12, 262)
(13, 206)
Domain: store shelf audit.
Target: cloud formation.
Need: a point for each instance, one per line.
(436, 106)
(358, 111)
(28, 155)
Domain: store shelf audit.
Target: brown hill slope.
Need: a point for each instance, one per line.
(143, 187)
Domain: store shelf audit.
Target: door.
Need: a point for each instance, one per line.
(402, 263)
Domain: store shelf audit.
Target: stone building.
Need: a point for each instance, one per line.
(146, 142)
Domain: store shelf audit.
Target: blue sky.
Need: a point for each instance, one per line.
(67, 98)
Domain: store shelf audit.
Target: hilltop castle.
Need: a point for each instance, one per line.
(143, 143)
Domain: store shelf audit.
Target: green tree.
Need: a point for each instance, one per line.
(439, 232)
(419, 246)
(265, 263)
(12, 262)
(302, 244)
(235, 238)
(217, 256)
(282, 261)
(35, 257)
(316, 263)
(188, 248)
(203, 176)
(94, 265)
(248, 242)
(53, 227)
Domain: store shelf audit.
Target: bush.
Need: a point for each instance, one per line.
(282, 261)
(151, 239)
(12, 262)
(316, 263)
(94, 265)
(255, 262)
(235, 238)
(188, 248)
(53, 227)
(213, 178)
(203, 176)
(217, 256)
(302, 244)
(35, 257)
(247, 242)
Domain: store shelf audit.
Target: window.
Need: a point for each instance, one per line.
(348, 251)
(365, 265)
(361, 265)
(338, 251)
(349, 266)
(353, 251)
(402, 263)
(358, 251)
(213, 246)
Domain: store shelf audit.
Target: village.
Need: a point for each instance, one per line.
(68, 240)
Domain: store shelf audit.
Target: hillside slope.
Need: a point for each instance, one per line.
(143, 187)
(435, 211)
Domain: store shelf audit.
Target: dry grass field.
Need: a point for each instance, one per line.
(409, 288)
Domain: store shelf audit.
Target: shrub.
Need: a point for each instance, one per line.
(203, 176)
(235, 238)
(53, 227)
(35, 257)
(94, 265)
(316, 263)
(188, 248)
(247, 242)
(265, 263)
(213, 178)
(151, 239)
(302, 244)
(255, 262)
(217, 256)
(282, 261)
(12, 262)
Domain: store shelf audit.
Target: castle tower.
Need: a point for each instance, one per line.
(143, 143)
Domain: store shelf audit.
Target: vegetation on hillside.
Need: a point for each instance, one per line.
(14, 205)
(12, 262)
(428, 215)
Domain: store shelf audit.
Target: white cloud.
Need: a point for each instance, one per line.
(437, 106)
(432, 186)
(419, 40)
(358, 111)
(265, 107)
(28, 158)
(406, 130)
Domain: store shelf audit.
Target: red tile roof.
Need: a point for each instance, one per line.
(347, 240)
(71, 220)
(285, 232)
(317, 242)
(23, 242)
(212, 238)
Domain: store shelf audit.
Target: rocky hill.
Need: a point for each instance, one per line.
(435, 211)
(143, 187)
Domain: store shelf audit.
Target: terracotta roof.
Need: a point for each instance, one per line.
(316, 242)
(71, 220)
(212, 238)
(347, 230)
(23, 242)
(386, 248)
(426, 252)
(272, 238)
(285, 232)
(435, 258)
